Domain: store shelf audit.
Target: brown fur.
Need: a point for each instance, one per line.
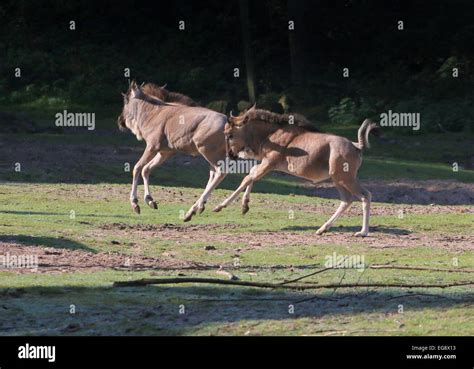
(168, 96)
(169, 128)
(296, 150)
(260, 115)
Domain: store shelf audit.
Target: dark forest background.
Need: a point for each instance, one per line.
(300, 70)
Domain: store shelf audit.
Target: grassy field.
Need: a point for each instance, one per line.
(69, 205)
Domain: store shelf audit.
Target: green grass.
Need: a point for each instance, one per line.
(36, 205)
(40, 303)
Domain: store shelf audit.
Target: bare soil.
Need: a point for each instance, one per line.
(379, 237)
(56, 260)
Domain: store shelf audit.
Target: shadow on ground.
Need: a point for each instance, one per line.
(351, 229)
(56, 242)
(155, 310)
(20, 212)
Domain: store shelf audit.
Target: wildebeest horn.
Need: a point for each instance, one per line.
(164, 86)
(252, 108)
(231, 114)
(143, 84)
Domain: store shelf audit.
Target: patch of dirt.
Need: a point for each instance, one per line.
(355, 209)
(57, 260)
(169, 227)
(380, 237)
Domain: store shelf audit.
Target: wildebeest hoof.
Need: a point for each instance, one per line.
(201, 209)
(151, 203)
(136, 208)
(361, 234)
(189, 216)
(245, 209)
(217, 209)
(320, 231)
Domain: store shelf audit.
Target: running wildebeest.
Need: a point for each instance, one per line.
(169, 127)
(300, 150)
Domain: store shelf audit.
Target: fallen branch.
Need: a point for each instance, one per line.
(305, 276)
(387, 266)
(419, 294)
(148, 281)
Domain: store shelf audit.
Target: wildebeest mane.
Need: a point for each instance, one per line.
(280, 119)
(167, 96)
(162, 94)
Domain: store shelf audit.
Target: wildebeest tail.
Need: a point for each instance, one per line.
(363, 134)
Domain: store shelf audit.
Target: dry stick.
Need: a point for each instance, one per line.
(381, 266)
(314, 273)
(199, 266)
(305, 276)
(328, 298)
(419, 294)
(147, 281)
(387, 266)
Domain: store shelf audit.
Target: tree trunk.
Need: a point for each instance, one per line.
(295, 10)
(244, 22)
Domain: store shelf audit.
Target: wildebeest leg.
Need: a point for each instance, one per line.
(217, 178)
(257, 172)
(201, 202)
(365, 196)
(159, 159)
(246, 199)
(346, 201)
(146, 157)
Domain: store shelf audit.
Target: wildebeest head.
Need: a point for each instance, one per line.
(144, 90)
(133, 90)
(235, 133)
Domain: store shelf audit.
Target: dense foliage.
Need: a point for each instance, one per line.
(409, 69)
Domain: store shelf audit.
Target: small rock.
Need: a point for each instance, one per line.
(209, 248)
(72, 327)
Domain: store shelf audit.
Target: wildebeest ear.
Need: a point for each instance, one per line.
(133, 84)
(136, 91)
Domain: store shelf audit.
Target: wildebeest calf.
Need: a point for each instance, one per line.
(300, 150)
(169, 128)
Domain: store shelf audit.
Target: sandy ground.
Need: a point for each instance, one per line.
(54, 260)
